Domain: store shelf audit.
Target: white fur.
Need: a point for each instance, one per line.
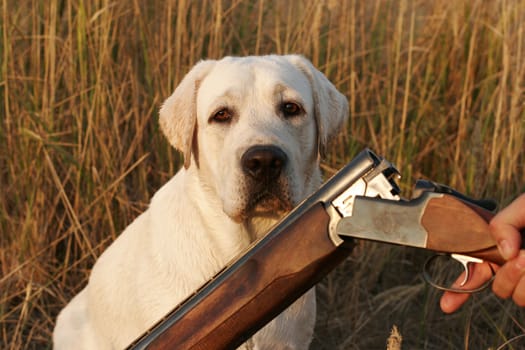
(201, 219)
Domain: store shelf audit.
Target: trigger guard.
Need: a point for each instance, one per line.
(428, 278)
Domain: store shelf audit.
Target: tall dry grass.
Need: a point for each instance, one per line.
(435, 86)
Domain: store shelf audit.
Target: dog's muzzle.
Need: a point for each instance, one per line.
(264, 168)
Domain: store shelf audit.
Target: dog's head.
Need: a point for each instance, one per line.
(252, 129)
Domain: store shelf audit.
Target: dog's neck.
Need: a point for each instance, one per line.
(259, 226)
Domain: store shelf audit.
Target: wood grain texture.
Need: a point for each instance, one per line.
(455, 226)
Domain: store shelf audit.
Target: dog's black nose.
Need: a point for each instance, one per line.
(263, 163)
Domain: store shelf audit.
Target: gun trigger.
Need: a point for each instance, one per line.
(465, 260)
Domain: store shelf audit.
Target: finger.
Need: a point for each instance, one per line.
(479, 274)
(450, 302)
(505, 227)
(509, 276)
(519, 293)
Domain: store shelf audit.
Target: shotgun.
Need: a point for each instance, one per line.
(360, 201)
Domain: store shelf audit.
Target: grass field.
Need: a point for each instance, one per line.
(437, 87)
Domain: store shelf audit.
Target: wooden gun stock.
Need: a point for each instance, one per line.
(251, 292)
(469, 236)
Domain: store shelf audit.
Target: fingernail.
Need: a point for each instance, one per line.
(505, 249)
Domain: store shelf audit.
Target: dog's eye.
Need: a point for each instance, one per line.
(222, 115)
(291, 109)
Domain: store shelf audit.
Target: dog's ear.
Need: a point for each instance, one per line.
(330, 106)
(178, 114)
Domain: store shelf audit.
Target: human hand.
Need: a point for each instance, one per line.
(510, 278)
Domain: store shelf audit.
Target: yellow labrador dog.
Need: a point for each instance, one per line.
(250, 130)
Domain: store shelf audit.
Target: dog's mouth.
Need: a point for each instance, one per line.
(267, 203)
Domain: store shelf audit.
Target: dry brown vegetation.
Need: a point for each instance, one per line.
(435, 86)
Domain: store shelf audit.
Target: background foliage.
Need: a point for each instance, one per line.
(437, 87)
